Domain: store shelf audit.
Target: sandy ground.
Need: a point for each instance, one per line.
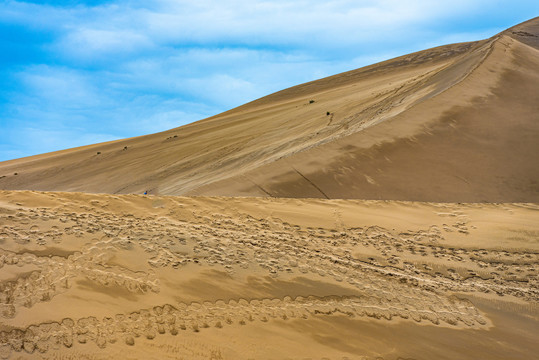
(103, 276)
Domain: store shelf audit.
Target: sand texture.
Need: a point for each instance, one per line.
(386, 213)
(175, 277)
(463, 117)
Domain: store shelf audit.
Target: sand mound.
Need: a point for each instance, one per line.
(456, 123)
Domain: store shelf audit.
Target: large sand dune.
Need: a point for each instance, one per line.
(391, 212)
(455, 123)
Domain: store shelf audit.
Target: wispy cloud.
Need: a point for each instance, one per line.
(87, 43)
(89, 71)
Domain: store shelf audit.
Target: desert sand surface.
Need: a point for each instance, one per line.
(108, 276)
(386, 213)
(462, 117)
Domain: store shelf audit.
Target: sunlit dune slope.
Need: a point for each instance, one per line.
(457, 123)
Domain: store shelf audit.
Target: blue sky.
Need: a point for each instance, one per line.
(80, 72)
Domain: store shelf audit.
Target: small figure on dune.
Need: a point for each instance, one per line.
(146, 192)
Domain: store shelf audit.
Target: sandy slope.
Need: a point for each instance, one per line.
(455, 123)
(475, 142)
(104, 276)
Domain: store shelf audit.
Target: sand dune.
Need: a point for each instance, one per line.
(391, 212)
(462, 117)
(88, 275)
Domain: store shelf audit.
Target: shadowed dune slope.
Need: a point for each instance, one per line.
(457, 123)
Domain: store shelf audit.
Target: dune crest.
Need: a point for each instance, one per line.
(462, 116)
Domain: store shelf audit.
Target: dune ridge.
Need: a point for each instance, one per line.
(350, 135)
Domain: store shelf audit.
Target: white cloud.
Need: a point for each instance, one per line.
(89, 43)
(315, 25)
(324, 23)
(56, 85)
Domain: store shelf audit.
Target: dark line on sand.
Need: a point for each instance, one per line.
(261, 188)
(310, 182)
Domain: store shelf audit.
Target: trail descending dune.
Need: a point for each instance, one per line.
(462, 117)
